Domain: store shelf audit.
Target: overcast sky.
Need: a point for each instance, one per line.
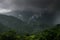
(34, 5)
(24, 4)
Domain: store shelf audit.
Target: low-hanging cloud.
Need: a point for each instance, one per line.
(28, 4)
(40, 6)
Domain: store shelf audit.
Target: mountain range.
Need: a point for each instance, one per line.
(26, 21)
(14, 23)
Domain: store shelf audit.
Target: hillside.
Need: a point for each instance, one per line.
(11, 22)
(34, 25)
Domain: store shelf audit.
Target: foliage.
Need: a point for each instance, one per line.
(48, 34)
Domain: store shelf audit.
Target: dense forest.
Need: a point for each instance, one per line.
(47, 34)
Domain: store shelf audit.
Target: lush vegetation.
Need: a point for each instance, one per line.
(48, 34)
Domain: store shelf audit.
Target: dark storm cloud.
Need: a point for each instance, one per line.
(6, 4)
(40, 6)
(40, 3)
(34, 3)
(50, 5)
(27, 4)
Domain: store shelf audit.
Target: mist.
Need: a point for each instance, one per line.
(46, 9)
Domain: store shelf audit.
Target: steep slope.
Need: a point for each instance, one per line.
(12, 22)
(23, 15)
(17, 24)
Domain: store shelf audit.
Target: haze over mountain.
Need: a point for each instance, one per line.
(31, 8)
(11, 22)
(20, 26)
(29, 15)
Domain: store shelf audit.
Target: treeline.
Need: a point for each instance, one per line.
(48, 34)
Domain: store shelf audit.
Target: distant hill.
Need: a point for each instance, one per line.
(21, 26)
(17, 24)
(23, 15)
(11, 22)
